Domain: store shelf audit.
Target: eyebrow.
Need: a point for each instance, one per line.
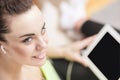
(31, 33)
(26, 35)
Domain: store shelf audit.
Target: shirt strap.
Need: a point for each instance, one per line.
(49, 72)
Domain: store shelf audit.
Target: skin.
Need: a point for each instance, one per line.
(25, 48)
(71, 52)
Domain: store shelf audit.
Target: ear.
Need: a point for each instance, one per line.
(3, 49)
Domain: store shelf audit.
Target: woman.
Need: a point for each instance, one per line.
(66, 69)
(23, 41)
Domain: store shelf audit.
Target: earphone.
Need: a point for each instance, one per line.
(3, 49)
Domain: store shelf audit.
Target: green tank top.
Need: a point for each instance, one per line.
(49, 71)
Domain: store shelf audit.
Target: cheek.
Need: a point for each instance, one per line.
(46, 38)
(23, 51)
(20, 51)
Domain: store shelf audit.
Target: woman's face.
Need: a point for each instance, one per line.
(27, 41)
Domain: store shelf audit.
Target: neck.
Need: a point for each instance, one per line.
(9, 68)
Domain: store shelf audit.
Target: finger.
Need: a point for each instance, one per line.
(84, 43)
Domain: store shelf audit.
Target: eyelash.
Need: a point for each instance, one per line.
(43, 30)
(27, 40)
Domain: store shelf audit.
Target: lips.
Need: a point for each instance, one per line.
(40, 56)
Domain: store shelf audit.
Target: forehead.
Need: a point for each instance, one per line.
(31, 20)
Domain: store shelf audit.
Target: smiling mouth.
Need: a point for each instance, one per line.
(40, 56)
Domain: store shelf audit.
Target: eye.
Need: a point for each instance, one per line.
(27, 40)
(43, 31)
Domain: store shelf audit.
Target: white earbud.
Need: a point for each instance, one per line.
(3, 49)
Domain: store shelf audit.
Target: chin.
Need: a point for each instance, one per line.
(39, 62)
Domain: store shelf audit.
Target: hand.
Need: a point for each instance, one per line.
(72, 52)
(79, 23)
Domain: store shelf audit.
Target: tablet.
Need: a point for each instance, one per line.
(103, 54)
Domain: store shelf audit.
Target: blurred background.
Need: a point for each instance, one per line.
(104, 11)
(109, 14)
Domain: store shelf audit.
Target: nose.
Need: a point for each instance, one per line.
(42, 44)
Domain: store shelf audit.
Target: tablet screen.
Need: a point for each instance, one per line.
(106, 57)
